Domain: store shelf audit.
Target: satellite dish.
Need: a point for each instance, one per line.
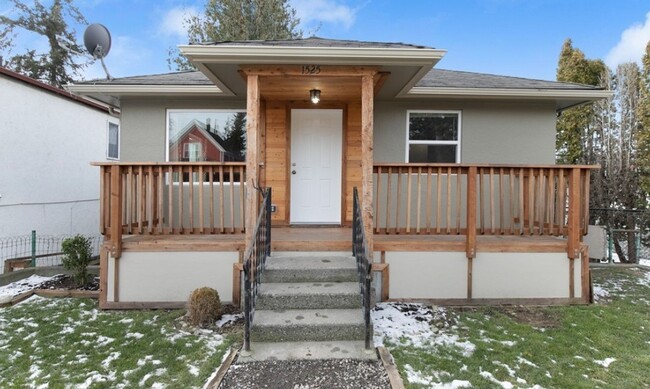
(97, 40)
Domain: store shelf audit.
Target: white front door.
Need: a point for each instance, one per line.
(316, 154)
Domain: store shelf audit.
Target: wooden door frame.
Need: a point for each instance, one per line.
(291, 105)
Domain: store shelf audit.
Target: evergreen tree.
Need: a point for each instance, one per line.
(233, 20)
(235, 136)
(573, 128)
(643, 135)
(57, 66)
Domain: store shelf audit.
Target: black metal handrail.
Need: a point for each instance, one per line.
(364, 267)
(254, 263)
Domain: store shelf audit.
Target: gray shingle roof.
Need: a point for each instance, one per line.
(457, 79)
(190, 77)
(435, 78)
(317, 42)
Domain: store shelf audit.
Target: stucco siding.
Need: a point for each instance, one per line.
(144, 124)
(424, 275)
(171, 276)
(517, 275)
(491, 132)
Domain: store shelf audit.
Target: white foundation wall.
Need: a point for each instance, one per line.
(443, 275)
(523, 275)
(427, 275)
(170, 276)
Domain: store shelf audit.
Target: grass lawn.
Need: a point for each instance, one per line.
(606, 344)
(70, 343)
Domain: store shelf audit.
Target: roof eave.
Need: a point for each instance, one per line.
(324, 55)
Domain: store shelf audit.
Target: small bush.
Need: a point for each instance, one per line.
(77, 255)
(204, 307)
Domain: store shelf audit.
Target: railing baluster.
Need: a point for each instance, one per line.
(231, 173)
(378, 199)
(222, 212)
(201, 210)
(399, 199)
(211, 179)
(448, 223)
(428, 204)
(408, 200)
(388, 196)
(419, 202)
(459, 187)
(438, 199)
(190, 206)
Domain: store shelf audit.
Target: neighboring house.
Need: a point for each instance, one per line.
(49, 137)
(431, 151)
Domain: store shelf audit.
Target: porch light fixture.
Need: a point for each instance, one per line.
(314, 95)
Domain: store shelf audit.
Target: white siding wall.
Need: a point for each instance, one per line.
(46, 145)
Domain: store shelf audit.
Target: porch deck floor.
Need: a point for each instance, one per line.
(340, 239)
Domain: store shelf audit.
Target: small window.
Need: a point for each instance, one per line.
(113, 150)
(192, 152)
(433, 137)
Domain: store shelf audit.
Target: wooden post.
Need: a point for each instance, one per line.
(367, 110)
(471, 226)
(573, 236)
(116, 211)
(252, 153)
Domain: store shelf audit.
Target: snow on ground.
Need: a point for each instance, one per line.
(228, 319)
(644, 262)
(409, 324)
(30, 283)
(605, 362)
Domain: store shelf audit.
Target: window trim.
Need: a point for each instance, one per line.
(172, 110)
(457, 142)
(108, 138)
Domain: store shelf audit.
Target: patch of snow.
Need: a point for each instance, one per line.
(606, 362)
(409, 324)
(416, 377)
(35, 371)
(30, 283)
(111, 357)
(157, 385)
(104, 340)
(600, 293)
(135, 335)
(644, 262)
(524, 361)
(67, 330)
(488, 376)
(126, 321)
(227, 319)
(579, 357)
(509, 343)
(144, 379)
(510, 371)
(193, 370)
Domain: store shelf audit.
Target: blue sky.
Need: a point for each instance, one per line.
(511, 37)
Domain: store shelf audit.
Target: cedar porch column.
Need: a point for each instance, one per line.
(252, 153)
(367, 109)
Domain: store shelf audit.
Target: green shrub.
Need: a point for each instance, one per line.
(77, 255)
(204, 307)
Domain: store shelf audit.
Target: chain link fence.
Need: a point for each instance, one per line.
(37, 250)
(628, 234)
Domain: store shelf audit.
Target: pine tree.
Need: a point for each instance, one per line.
(57, 66)
(235, 136)
(233, 20)
(573, 129)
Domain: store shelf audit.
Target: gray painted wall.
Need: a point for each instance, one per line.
(143, 124)
(492, 132)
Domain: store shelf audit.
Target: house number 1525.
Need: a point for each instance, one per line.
(310, 69)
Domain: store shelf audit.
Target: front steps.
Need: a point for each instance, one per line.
(308, 307)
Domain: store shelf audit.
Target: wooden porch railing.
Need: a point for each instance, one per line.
(495, 199)
(171, 198)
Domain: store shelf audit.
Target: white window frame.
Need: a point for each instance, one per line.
(108, 139)
(456, 143)
(185, 110)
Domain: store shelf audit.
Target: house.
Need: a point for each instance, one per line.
(49, 137)
(459, 196)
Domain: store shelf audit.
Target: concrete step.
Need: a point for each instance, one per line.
(308, 325)
(346, 349)
(308, 295)
(320, 268)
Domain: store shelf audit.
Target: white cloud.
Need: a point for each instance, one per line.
(313, 12)
(172, 23)
(632, 44)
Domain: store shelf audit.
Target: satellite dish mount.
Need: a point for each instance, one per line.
(97, 40)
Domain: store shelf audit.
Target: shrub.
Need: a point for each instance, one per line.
(77, 255)
(204, 307)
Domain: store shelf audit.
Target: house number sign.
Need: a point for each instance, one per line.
(310, 69)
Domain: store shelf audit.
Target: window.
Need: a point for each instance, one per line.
(433, 136)
(206, 135)
(113, 149)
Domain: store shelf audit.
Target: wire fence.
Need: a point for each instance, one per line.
(41, 250)
(628, 233)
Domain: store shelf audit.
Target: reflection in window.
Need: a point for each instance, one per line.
(433, 136)
(113, 151)
(206, 135)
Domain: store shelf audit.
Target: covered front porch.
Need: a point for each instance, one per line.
(525, 218)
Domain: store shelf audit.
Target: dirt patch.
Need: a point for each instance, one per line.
(534, 316)
(66, 282)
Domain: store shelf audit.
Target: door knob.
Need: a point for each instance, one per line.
(293, 172)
